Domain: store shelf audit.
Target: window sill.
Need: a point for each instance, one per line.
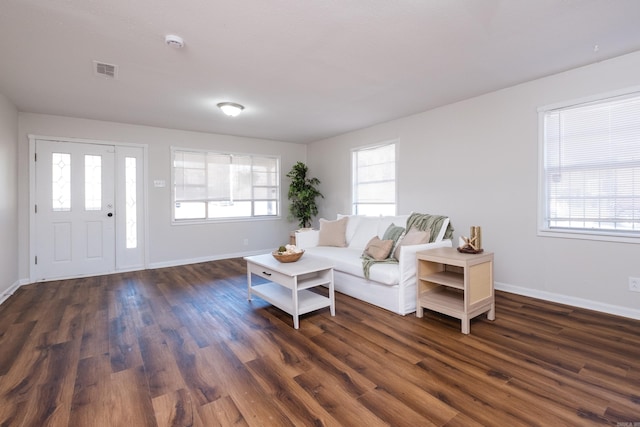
(590, 235)
(181, 222)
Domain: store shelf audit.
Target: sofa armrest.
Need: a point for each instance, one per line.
(307, 238)
(407, 259)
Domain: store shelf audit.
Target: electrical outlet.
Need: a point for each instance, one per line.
(634, 284)
(246, 242)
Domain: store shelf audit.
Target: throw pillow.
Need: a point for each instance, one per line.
(332, 233)
(412, 237)
(378, 249)
(395, 233)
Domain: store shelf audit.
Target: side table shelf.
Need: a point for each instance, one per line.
(456, 284)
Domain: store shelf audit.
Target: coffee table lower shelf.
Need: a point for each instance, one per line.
(282, 298)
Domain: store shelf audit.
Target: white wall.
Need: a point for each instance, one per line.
(8, 196)
(168, 244)
(477, 161)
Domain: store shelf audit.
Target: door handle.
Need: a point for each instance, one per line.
(109, 214)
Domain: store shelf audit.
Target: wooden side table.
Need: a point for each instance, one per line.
(456, 284)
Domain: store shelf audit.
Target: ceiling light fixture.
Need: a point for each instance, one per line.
(231, 108)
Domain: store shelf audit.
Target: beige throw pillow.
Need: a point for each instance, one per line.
(412, 237)
(333, 233)
(378, 249)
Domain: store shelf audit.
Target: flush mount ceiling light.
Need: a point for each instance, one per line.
(231, 108)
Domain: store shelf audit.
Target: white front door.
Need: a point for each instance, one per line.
(75, 208)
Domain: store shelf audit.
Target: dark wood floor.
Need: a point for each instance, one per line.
(183, 346)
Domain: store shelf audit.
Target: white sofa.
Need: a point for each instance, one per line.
(390, 286)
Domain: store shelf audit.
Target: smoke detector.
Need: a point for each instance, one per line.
(175, 42)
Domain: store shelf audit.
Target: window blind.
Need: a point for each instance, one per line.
(592, 166)
(374, 180)
(209, 185)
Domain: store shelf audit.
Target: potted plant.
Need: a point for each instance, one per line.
(302, 195)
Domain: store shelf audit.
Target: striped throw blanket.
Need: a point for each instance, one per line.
(430, 222)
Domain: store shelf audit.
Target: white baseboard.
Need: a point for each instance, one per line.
(174, 263)
(568, 300)
(11, 289)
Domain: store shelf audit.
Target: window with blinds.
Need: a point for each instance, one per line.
(374, 180)
(214, 186)
(591, 167)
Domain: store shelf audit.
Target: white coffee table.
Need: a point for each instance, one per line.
(289, 284)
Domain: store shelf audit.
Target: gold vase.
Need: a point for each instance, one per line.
(476, 233)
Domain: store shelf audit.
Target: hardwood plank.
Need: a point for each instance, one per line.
(340, 403)
(95, 335)
(255, 405)
(123, 339)
(129, 400)
(71, 324)
(221, 413)
(123, 344)
(54, 392)
(161, 370)
(390, 410)
(204, 387)
(91, 402)
(175, 409)
(12, 340)
(288, 395)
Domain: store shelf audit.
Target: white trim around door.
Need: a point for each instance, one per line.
(86, 235)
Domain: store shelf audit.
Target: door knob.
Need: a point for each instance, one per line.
(109, 214)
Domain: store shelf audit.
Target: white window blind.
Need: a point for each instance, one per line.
(592, 167)
(210, 185)
(374, 180)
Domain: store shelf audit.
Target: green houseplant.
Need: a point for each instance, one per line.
(302, 195)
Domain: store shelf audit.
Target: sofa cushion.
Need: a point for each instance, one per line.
(347, 260)
(333, 233)
(367, 229)
(378, 249)
(352, 225)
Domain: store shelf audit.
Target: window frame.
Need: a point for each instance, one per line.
(354, 151)
(543, 228)
(207, 200)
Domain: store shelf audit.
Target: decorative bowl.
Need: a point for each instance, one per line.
(287, 257)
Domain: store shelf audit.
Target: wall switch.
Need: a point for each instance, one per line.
(159, 183)
(634, 284)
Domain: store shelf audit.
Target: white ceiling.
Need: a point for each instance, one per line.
(304, 69)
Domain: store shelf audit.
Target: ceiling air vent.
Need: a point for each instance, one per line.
(103, 69)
